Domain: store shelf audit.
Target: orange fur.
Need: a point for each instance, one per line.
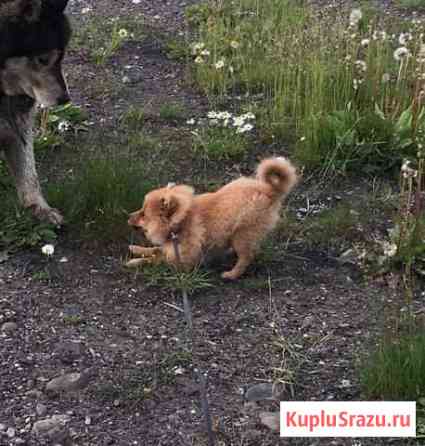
(237, 216)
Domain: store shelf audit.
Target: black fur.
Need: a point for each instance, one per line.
(19, 37)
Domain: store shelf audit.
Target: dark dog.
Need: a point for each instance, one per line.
(33, 38)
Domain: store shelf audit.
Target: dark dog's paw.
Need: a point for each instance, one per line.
(48, 214)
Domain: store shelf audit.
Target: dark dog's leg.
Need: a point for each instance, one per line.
(21, 162)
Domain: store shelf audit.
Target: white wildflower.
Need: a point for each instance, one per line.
(361, 65)
(401, 53)
(224, 115)
(234, 44)
(136, 2)
(123, 33)
(248, 115)
(64, 126)
(355, 16)
(239, 121)
(199, 60)
(365, 42)
(231, 69)
(245, 128)
(85, 10)
(190, 121)
(212, 115)
(205, 53)
(390, 249)
(48, 250)
(219, 64)
(197, 47)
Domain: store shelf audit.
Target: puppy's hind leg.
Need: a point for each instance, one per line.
(21, 163)
(244, 244)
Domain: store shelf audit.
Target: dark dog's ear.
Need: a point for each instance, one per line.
(29, 10)
(54, 6)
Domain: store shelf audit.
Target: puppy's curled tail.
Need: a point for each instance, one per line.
(279, 173)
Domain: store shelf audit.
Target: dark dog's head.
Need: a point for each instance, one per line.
(164, 211)
(33, 38)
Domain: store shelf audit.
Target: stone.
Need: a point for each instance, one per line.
(70, 382)
(9, 327)
(10, 432)
(40, 409)
(53, 428)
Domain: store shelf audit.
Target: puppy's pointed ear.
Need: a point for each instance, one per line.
(169, 206)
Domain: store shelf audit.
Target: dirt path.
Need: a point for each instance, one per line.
(302, 316)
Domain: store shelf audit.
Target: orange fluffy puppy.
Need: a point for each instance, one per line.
(237, 216)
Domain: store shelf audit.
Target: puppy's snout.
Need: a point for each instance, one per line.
(134, 220)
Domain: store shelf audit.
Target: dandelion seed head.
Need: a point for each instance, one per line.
(48, 250)
(355, 16)
(401, 53)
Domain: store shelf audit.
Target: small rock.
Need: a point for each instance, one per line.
(70, 382)
(10, 432)
(34, 393)
(69, 351)
(53, 428)
(260, 392)
(41, 409)
(9, 327)
(2, 427)
(270, 419)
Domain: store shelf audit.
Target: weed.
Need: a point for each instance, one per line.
(168, 278)
(133, 118)
(171, 112)
(219, 143)
(143, 141)
(396, 370)
(100, 195)
(72, 320)
(103, 38)
(349, 90)
(412, 3)
(19, 229)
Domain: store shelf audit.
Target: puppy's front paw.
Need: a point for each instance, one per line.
(48, 214)
(134, 263)
(230, 275)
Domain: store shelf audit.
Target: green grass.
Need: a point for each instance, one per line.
(412, 3)
(172, 112)
(218, 143)
(339, 88)
(396, 370)
(134, 385)
(96, 200)
(103, 37)
(167, 277)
